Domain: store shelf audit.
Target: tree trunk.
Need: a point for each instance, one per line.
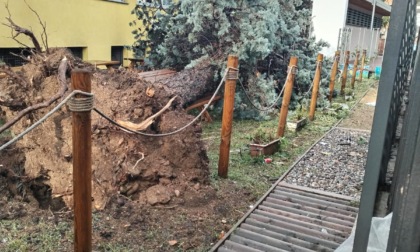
(191, 84)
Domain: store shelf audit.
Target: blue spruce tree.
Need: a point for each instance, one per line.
(190, 34)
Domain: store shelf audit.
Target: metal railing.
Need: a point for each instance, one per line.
(396, 67)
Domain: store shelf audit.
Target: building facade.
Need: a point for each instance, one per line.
(92, 30)
(346, 25)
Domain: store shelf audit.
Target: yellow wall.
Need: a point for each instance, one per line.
(94, 24)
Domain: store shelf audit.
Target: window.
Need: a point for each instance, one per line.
(117, 53)
(361, 19)
(13, 60)
(76, 51)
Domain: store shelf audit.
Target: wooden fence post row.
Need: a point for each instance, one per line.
(333, 74)
(315, 88)
(82, 167)
(227, 118)
(286, 96)
(362, 66)
(344, 74)
(353, 77)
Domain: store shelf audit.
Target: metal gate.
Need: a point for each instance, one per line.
(397, 64)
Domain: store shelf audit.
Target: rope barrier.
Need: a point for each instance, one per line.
(290, 70)
(175, 131)
(46, 116)
(83, 104)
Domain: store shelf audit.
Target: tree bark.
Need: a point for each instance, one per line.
(191, 84)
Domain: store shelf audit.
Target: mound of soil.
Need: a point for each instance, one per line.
(43, 158)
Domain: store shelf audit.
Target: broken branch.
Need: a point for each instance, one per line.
(146, 123)
(20, 30)
(44, 36)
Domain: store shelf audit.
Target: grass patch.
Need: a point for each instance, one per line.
(7, 133)
(18, 236)
(252, 173)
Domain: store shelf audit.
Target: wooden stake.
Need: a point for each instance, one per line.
(333, 74)
(286, 96)
(227, 119)
(362, 66)
(344, 74)
(82, 167)
(353, 78)
(315, 88)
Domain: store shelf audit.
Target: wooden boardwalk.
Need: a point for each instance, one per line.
(293, 218)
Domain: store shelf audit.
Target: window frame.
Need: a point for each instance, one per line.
(117, 1)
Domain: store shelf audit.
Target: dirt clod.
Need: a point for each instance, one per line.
(158, 194)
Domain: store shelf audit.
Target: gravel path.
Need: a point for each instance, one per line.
(338, 166)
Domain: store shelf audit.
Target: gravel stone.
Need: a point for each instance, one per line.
(335, 164)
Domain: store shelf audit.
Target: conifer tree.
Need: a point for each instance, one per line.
(263, 33)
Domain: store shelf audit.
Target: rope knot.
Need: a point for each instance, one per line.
(81, 104)
(292, 69)
(232, 74)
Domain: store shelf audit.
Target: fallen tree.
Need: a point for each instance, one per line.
(143, 168)
(200, 34)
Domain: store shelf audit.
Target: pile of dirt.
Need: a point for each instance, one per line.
(171, 164)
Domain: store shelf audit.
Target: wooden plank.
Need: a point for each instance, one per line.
(203, 101)
(292, 233)
(239, 247)
(225, 249)
(300, 223)
(321, 223)
(255, 244)
(313, 195)
(315, 191)
(104, 62)
(344, 220)
(296, 228)
(156, 73)
(157, 78)
(272, 239)
(315, 203)
(304, 213)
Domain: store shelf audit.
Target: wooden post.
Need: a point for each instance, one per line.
(82, 167)
(353, 78)
(344, 74)
(287, 95)
(315, 88)
(227, 118)
(333, 74)
(362, 66)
